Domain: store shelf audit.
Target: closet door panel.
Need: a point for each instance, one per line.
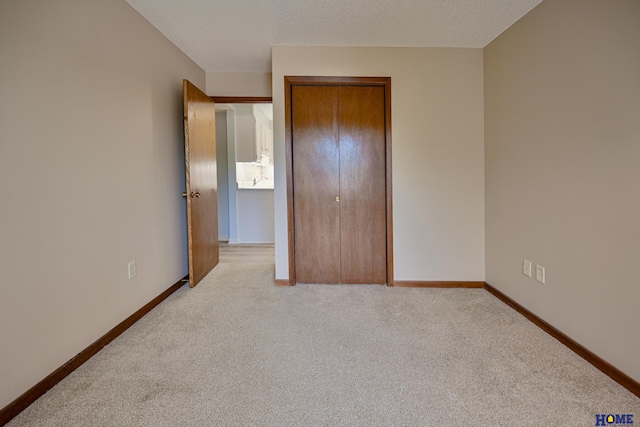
(316, 177)
(362, 184)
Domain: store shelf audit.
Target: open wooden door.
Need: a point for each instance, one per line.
(202, 184)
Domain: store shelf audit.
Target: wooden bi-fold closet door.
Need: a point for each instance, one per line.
(338, 140)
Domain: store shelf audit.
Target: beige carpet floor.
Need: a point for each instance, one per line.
(238, 351)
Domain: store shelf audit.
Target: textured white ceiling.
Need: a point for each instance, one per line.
(237, 35)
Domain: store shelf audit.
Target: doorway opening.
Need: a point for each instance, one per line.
(244, 138)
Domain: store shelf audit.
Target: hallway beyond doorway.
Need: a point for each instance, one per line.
(259, 253)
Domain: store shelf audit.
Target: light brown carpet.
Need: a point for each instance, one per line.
(238, 351)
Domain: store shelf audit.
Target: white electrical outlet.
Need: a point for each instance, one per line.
(132, 269)
(540, 273)
(526, 268)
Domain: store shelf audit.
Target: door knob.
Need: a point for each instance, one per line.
(337, 198)
(192, 194)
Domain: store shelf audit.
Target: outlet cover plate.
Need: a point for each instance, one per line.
(540, 274)
(526, 268)
(132, 269)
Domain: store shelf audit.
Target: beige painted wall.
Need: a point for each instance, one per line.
(91, 175)
(562, 105)
(239, 84)
(255, 216)
(438, 163)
